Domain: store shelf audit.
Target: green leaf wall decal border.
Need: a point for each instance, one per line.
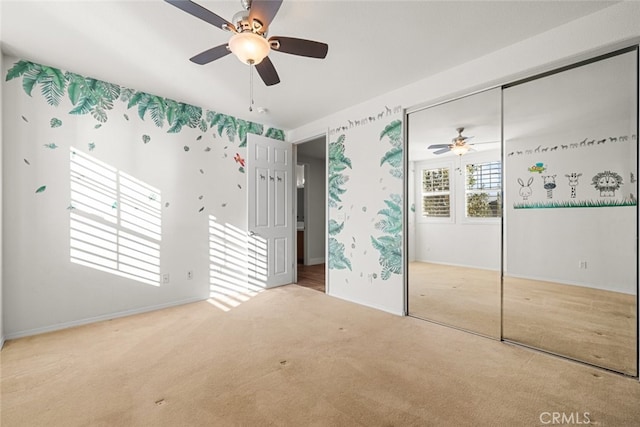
(337, 259)
(390, 244)
(97, 97)
(394, 156)
(338, 163)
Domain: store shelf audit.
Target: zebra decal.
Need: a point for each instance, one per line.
(549, 184)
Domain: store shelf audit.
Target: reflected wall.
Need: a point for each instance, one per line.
(570, 251)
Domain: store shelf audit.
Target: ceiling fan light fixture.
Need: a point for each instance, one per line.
(249, 48)
(459, 149)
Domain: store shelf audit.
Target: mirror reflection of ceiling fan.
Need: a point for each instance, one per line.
(458, 145)
(249, 37)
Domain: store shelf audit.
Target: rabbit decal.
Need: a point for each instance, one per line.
(525, 190)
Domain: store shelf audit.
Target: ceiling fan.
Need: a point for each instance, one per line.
(249, 37)
(458, 145)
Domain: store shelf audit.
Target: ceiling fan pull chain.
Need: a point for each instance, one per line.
(250, 87)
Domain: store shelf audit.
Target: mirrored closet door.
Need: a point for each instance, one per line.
(570, 226)
(454, 224)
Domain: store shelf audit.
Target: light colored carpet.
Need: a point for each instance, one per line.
(292, 356)
(467, 298)
(592, 325)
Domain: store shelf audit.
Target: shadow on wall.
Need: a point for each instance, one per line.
(115, 220)
(238, 265)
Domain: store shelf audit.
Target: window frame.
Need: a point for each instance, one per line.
(422, 166)
(479, 160)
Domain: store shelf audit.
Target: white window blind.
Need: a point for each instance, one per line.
(436, 193)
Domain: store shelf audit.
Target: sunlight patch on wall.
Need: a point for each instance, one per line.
(232, 270)
(115, 220)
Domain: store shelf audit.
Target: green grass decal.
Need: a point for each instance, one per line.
(576, 204)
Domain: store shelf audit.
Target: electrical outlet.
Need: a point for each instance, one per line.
(583, 265)
(165, 278)
(189, 275)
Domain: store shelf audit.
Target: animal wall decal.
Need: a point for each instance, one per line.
(573, 182)
(353, 123)
(607, 183)
(549, 183)
(525, 190)
(538, 167)
(574, 145)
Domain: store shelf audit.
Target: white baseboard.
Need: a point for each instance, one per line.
(109, 316)
(478, 267)
(365, 304)
(315, 261)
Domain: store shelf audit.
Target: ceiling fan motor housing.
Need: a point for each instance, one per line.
(249, 41)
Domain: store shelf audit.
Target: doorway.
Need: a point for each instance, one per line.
(311, 213)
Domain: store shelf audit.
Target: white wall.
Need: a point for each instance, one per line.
(315, 219)
(196, 170)
(365, 208)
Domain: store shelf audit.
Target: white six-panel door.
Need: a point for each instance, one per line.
(270, 225)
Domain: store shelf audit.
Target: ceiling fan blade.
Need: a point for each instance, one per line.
(444, 150)
(432, 146)
(210, 55)
(264, 11)
(484, 142)
(300, 47)
(200, 12)
(268, 72)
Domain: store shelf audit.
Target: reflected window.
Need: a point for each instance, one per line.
(436, 193)
(115, 220)
(483, 192)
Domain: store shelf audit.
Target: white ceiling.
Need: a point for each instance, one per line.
(478, 114)
(374, 47)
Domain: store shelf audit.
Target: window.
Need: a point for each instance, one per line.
(436, 193)
(483, 192)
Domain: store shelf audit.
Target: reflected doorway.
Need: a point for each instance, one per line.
(311, 213)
